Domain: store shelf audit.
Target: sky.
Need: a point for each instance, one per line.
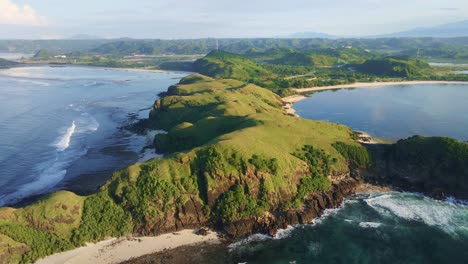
(169, 19)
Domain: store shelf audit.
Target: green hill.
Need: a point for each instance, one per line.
(234, 161)
(42, 54)
(221, 64)
(436, 166)
(232, 153)
(395, 67)
(314, 57)
(126, 48)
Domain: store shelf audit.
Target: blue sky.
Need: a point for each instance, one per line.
(219, 18)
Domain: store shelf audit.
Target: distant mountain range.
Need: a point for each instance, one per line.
(84, 36)
(458, 29)
(307, 35)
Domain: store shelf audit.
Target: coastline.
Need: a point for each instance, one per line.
(118, 250)
(372, 85)
(289, 102)
(29, 64)
(217, 253)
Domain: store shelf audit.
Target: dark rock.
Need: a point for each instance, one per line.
(202, 232)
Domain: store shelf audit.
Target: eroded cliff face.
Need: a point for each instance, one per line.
(435, 166)
(191, 215)
(313, 207)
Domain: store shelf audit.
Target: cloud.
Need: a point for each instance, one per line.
(13, 14)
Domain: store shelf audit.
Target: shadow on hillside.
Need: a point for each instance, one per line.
(202, 132)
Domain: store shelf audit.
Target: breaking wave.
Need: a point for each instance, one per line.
(64, 141)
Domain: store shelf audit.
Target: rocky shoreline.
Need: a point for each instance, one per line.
(313, 207)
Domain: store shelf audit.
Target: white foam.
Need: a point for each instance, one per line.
(314, 248)
(48, 174)
(64, 141)
(285, 233)
(456, 201)
(447, 216)
(87, 123)
(369, 224)
(53, 169)
(246, 241)
(148, 154)
(150, 134)
(328, 212)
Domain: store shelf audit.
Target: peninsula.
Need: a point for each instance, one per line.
(234, 161)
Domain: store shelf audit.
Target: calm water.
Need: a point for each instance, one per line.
(394, 112)
(378, 228)
(59, 127)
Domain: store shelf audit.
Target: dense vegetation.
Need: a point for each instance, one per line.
(427, 48)
(232, 153)
(320, 57)
(226, 169)
(435, 166)
(221, 64)
(403, 67)
(357, 156)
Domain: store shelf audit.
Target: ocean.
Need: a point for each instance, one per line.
(60, 127)
(394, 112)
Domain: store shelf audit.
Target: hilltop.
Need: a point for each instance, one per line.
(234, 161)
(403, 67)
(221, 64)
(220, 169)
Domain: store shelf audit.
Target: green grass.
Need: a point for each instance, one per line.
(230, 149)
(43, 228)
(221, 64)
(403, 67)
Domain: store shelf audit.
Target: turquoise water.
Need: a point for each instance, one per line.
(378, 228)
(59, 127)
(394, 112)
(375, 228)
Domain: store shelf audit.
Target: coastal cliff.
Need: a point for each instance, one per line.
(435, 166)
(235, 161)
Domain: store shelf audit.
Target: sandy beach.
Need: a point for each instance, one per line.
(136, 70)
(289, 102)
(117, 250)
(371, 85)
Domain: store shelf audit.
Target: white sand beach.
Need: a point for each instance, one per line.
(373, 84)
(116, 250)
(289, 102)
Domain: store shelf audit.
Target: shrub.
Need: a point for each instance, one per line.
(356, 155)
(102, 218)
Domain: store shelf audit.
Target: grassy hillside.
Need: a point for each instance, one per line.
(232, 153)
(320, 57)
(404, 67)
(221, 64)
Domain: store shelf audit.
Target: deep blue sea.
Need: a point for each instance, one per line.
(394, 112)
(59, 126)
